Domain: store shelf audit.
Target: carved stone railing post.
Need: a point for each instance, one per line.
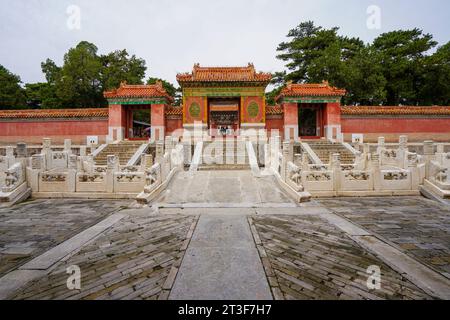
(47, 151)
(415, 174)
(298, 159)
(305, 162)
(146, 161)
(335, 166)
(291, 151)
(37, 165)
(187, 152)
(376, 172)
(159, 152)
(10, 159)
(440, 154)
(168, 144)
(402, 154)
(82, 151)
(284, 160)
(68, 146)
(428, 151)
(267, 155)
(112, 166)
(21, 150)
(381, 145)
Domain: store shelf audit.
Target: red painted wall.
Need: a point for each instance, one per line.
(117, 116)
(274, 124)
(173, 124)
(58, 130)
(332, 114)
(417, 129)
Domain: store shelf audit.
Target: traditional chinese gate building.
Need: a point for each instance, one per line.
(137, 112)
(223, 100)
(311, 110)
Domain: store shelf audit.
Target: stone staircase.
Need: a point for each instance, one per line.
(124, 150)
(227, 157)
(323, 149)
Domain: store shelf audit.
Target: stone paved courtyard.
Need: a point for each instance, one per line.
(132, 260)
(308, 258)
(30, 228)
(243, 240)
(420, 227)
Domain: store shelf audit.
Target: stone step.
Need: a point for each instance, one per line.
(224, 167)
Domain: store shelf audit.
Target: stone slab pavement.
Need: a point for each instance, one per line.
(418, 226)
(221, 262)
(30, 228)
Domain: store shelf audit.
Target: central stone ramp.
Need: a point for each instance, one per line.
(221, 262)
(324, 148)
(124, 150)
(223, 189)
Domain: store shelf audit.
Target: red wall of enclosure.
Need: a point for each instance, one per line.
(57, 130)
(417, 129)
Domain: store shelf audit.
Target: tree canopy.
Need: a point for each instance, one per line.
(12, 95)
(397, 68)
(402, 67)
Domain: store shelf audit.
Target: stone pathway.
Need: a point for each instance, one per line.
(221, 262)
(30, 228)
(418, 226)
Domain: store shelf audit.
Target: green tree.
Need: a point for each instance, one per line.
(41, 95)
(366, 83)
(11, 93)
(85, 75)
(79, 83)
(278, 81)
(403, 54)
(436, 88)
(314, 54)
(169, 87)
(117, 66)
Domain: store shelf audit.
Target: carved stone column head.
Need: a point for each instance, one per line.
(336, 160)
(82, 151)
(9, 151)
(286, 147)
(46, 143)
(68, 145)
(38, 162)
(403, 142)
(366, 148)
(298, 159)
(428, 148)
(72, 164)
(21, 150)
(112, 162)
(375, 160)
(159, 150)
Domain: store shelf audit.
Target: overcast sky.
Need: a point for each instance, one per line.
(172, 35)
